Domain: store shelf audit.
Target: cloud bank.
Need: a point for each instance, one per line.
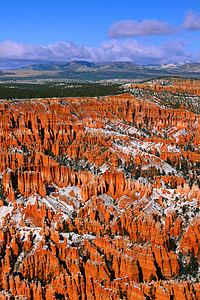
(192, 21)
(14, 55)
(131, 28)
(113, 50)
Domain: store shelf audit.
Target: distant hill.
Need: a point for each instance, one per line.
(190, 67)
(180, 68)
(87, 71)
(84, 66)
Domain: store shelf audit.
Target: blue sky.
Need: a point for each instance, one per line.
(145, 32)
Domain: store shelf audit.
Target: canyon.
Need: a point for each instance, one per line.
(99, 197)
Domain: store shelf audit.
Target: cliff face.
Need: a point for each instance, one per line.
(99, 198)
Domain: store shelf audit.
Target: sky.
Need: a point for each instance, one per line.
(146, 32)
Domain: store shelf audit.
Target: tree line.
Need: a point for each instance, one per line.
(49, 90)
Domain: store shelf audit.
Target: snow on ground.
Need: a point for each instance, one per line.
(124, 148)
(161, 164)
(4, 210)
(151, 160)
(67, 190)
(128, 128)
(179, 133)
(32, 199)
(25, 231)
(66, 198)
(153, 207)
(16, 218)
(104, 131)
(77, 238)
(104, 168)
(184, 207)
(107, 200)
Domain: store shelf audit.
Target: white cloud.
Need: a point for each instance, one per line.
(192, 21)
(130, 28)
(58, 51)
(113, 50)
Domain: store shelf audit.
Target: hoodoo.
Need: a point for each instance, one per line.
(100, 196)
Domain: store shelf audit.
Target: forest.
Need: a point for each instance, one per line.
(49, 90)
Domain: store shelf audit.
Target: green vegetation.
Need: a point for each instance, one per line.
(190, 268)
(50, 90)
(2, 193)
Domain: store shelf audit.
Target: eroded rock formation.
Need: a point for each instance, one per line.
(100, 198)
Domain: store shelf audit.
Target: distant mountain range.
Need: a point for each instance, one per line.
(80, 66)
(180, 68)
(84, 66)
(83, 70)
